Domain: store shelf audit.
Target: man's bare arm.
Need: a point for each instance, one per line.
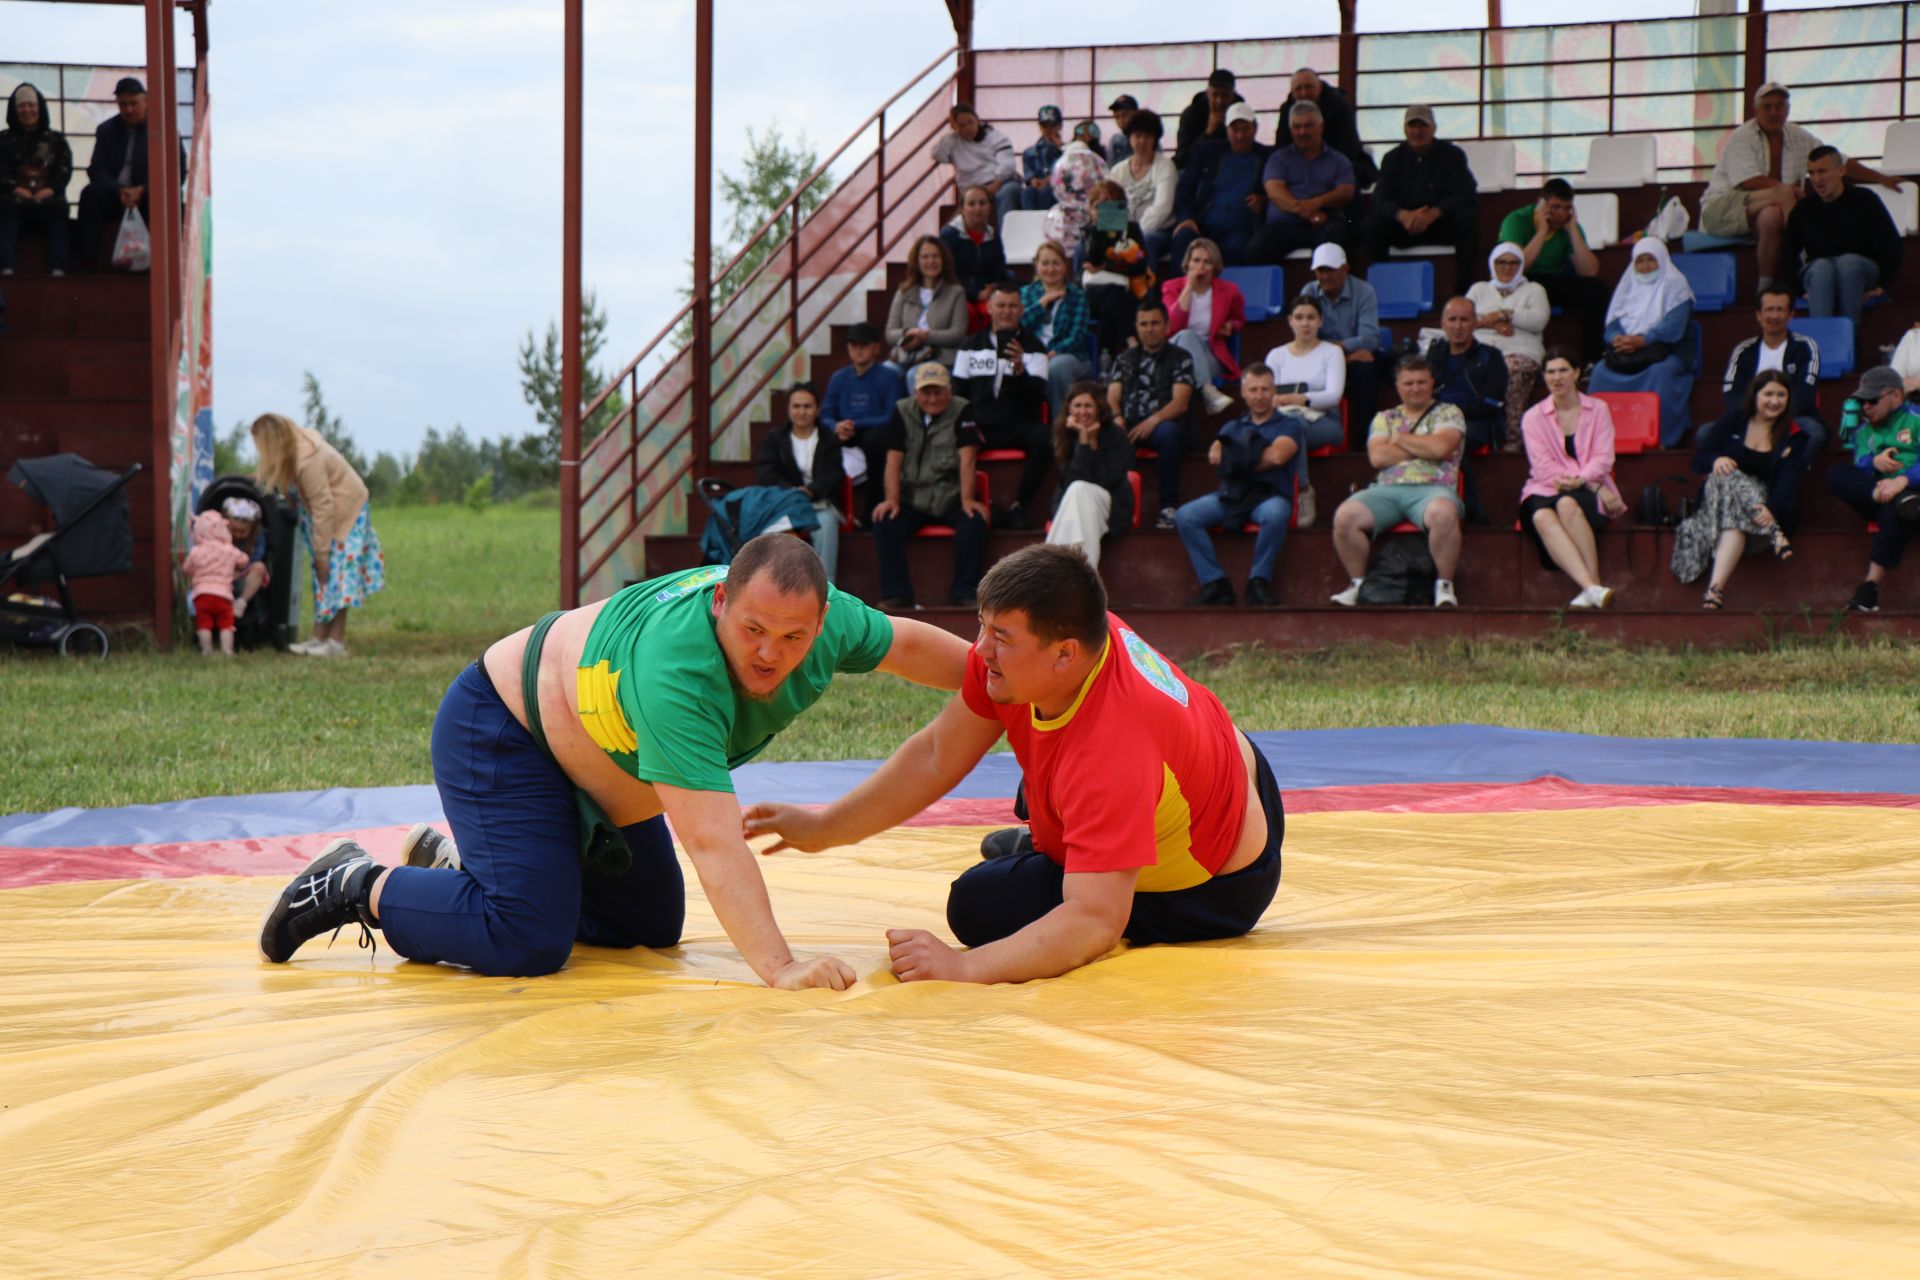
(1435, 448)
(708, 824)
(1084, 927)
(926, 655)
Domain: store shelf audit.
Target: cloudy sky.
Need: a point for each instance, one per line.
(386, 172)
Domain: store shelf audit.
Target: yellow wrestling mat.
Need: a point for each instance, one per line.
(1674, 1041)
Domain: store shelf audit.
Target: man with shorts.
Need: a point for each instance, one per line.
(1757, 180)
(562, 754)
(1416, 445)
(1153, 817)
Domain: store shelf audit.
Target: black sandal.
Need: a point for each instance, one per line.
(1715, 599)
(1782, 549)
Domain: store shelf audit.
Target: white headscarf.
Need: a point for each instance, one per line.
(1507, 249)
(1639, 301)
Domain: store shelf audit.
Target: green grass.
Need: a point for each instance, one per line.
(147, 727)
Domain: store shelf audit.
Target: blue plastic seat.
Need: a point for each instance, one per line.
(1834, 336)
(1265, 289)
(1711, 277)
(1405, 288)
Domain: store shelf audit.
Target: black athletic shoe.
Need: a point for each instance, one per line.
(1260, 594)
(325, 896)
(1866, 598)
(1006, 842)
(1213, 594)
(425, 847)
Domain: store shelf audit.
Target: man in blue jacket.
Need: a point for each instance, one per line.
(1221, 195)
(117, 174)
(859, 406)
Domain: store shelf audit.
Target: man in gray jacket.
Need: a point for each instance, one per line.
(981, 156)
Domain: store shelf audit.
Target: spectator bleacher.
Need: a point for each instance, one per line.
(1660, 146)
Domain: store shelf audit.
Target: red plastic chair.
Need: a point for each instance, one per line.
(981, 489)
(1636, 420)
(1327, 450)
(1459, 487)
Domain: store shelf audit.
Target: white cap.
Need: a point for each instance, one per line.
(1329, 255)
(1241, 111)
(1771, 86)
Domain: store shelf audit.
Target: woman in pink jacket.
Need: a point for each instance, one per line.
(1570, 494)
(1203, 311)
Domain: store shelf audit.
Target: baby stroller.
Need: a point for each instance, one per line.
(92, 537)
(267, 621)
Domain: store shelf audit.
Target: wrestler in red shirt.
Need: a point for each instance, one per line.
(1153, 818)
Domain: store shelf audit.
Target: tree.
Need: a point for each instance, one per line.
(233, 452)
(773, 172)
(331, 429)
(540, 387)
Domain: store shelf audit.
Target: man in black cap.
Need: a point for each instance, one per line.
(1123, 107)
(1206, 116)
(117, 174)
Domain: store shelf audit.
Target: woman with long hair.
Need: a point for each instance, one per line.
(335, 522)
(1752, 490)
(1094, 496)
(1055, 308)
(1309, 378)
(928, 318)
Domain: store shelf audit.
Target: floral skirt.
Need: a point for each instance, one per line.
(355, 567)
(1726, 503)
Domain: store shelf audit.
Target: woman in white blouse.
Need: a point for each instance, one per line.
(1513, 313)
(1310, 377)
(1148, 177)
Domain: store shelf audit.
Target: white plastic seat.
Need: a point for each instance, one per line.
(1901, 152)
(1021, 232)
(1629, 160)
(1495, 163)
(1599, 216)
(1903, 204)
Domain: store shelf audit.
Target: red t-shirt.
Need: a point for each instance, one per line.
(1143, 770)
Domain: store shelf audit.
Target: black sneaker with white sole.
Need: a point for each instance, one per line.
(1866, 598)
(329, 895)
(426, 847)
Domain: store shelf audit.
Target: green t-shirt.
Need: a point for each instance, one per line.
(1556, 255)
(656, 695)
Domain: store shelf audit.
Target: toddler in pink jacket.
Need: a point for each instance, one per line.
(211, 568)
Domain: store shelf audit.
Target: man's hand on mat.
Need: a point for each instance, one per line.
(798, 827)
(918, 956)
(822, 971)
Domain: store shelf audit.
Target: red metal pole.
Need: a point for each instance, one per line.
(1349, 52)
(163, 225)
(1756, 68)
(702, 370)
(880, 193)
(570, 354)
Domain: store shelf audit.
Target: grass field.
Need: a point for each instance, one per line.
(146, 726)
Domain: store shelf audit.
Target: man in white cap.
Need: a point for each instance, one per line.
(1757, 180)
(1221, 195)
(1350, 316)
(1426, 195)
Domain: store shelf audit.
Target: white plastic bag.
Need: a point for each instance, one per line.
(1671, 222)
(133, 247)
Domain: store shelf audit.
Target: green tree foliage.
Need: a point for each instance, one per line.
(233, 452)
(773, 171)
(331, 429)
(540, 386)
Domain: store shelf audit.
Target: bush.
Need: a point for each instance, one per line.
(480, 492)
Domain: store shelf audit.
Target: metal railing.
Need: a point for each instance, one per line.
(633, 474)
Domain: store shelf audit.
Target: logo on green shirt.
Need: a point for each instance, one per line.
(692, 582)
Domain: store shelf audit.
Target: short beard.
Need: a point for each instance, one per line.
(734, 679)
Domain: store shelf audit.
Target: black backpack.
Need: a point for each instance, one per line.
(1404, 574)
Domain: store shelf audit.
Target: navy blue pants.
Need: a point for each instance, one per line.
(1854, 486)
(521, 898)
(1001, 896)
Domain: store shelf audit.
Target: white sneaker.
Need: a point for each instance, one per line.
(330, 649)
(1593, 598)
(304, 648)
(1443, 597)
(1307, 513)
(1217, 400)
(1166, 519)
(1351, 596)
